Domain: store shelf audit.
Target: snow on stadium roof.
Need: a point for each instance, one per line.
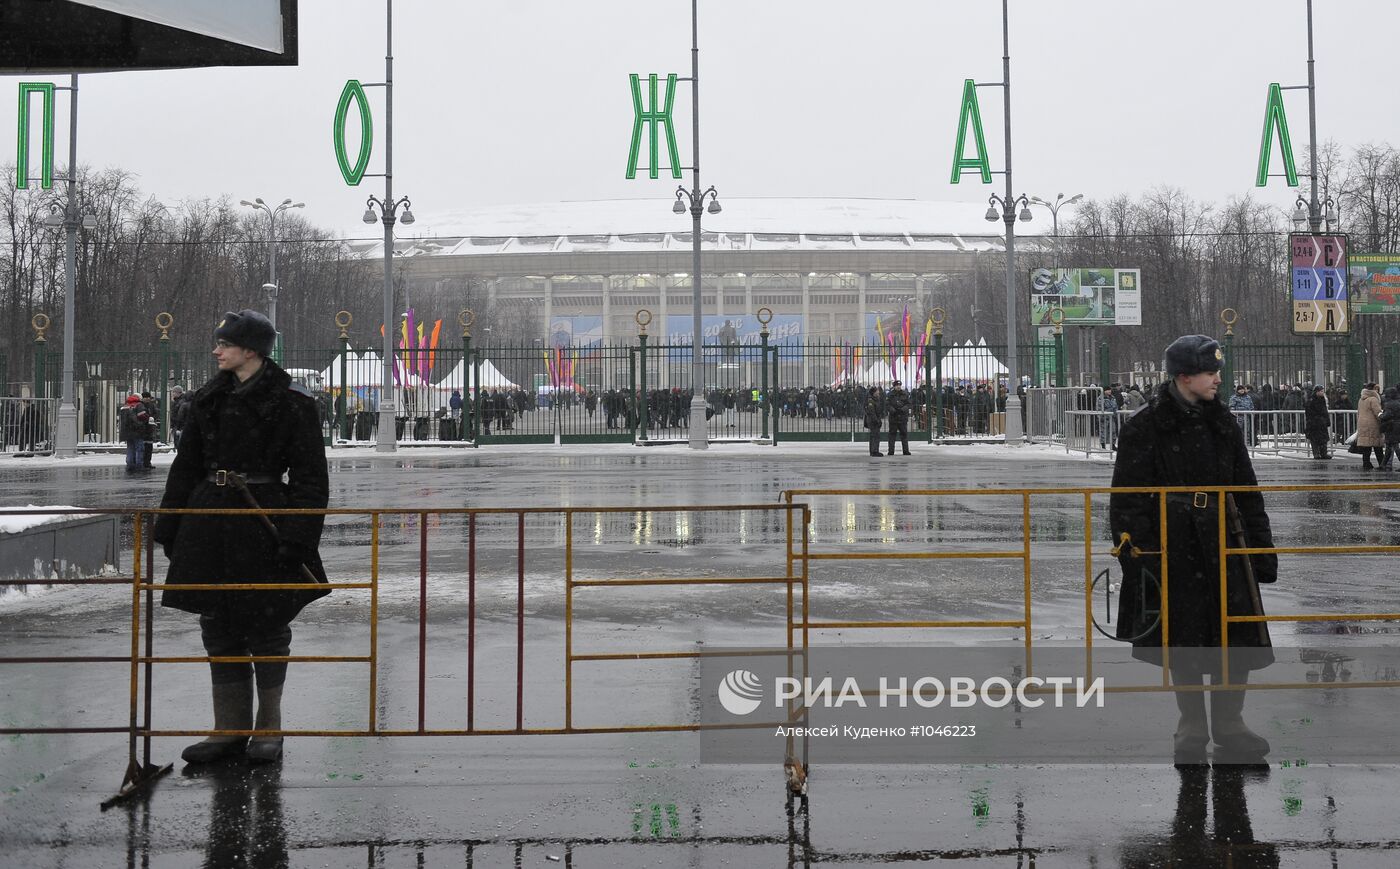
(757, 224)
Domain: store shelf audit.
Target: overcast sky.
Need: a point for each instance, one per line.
(527, 100)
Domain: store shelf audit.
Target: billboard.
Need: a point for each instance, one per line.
(575, 332)
(1374, 283)
(1087, 296)
(784, 329)
(1319, 284)
(43, 37)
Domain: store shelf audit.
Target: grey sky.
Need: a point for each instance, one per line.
(527, 100)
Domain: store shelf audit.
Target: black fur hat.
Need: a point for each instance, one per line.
(247, 329)
(1193, 354)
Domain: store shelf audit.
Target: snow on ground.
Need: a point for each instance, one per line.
(13, 523)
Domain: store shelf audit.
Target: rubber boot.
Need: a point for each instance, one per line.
(267, 749)
(1192, 732)
(233, 710)
(1235, 742)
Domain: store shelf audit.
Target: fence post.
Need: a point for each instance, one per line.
(40, 322)
(1356, 370)
(1227, 372)
(342, 406)
(1392, 364)
(466, 318)
(928, 389)
(769, 399)
(937, 315)
(938, 373)
(643, 317)
(163, 322)
(764, 316)
(476, 399)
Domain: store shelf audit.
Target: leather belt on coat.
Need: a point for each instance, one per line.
(1197, 500)
(220, 477)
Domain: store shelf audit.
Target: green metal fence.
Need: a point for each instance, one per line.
(639, 390)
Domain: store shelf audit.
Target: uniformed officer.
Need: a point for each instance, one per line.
(252, 436)
(1187, 437)
(897, 405)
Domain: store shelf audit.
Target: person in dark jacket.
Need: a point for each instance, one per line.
(152, 424)
(249, 420)
(1390, 426)
(897, 406)
(1316, 420)
(874, 418)
(1187, 437)
(180, 403)
(131, 430)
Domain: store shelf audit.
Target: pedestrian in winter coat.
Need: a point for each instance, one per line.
(874, 418)
(249, 420)
(1187, 437)
(180, 404)
(152, 424)
(897, 406)
(1316, 420)
(1368, 427)
(131, 430)
(1390, 426)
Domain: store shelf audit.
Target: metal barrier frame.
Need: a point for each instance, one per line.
(799, 557)
(1088, 493)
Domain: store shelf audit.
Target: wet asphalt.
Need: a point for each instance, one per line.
(644, 799)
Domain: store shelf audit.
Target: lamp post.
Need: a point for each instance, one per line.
(695, 199)
(1314, 213)
(385, 441)
(1008, 205)
(1061, 202)
(71, 217)
(272, 213)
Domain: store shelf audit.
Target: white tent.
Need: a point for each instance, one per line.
(880, 372)
(968, 361)
(459, 377)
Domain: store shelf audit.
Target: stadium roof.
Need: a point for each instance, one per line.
(758, 224)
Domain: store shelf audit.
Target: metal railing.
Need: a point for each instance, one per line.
(798, 531)
(26, 424)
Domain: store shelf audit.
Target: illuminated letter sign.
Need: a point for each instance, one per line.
(353, 92)
(653, 117)
(970, 112)
(26, 88)
(1274, 114)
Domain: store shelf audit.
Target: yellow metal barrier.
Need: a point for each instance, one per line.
(799, 556)
(1088, 493)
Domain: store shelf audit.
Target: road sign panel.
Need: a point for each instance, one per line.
(1321, 303)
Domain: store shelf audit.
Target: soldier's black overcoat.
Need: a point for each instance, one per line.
(270, 429)
(1167, 444)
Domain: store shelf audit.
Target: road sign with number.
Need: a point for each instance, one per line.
(1321, 303)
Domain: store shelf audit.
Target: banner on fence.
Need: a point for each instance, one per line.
(1374, 283)
(1087, 296)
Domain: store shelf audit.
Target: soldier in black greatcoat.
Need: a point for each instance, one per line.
(249, 420)
(897, 405)
(874, 418)
(1187, 437)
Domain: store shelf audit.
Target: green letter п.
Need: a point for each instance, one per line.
(46, 145)
(1274, 114)
(970, 110)
(653, 117)
(353, 91)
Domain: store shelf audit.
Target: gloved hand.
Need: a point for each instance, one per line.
(294, 554)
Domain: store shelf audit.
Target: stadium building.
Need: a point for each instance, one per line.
(826, 267)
